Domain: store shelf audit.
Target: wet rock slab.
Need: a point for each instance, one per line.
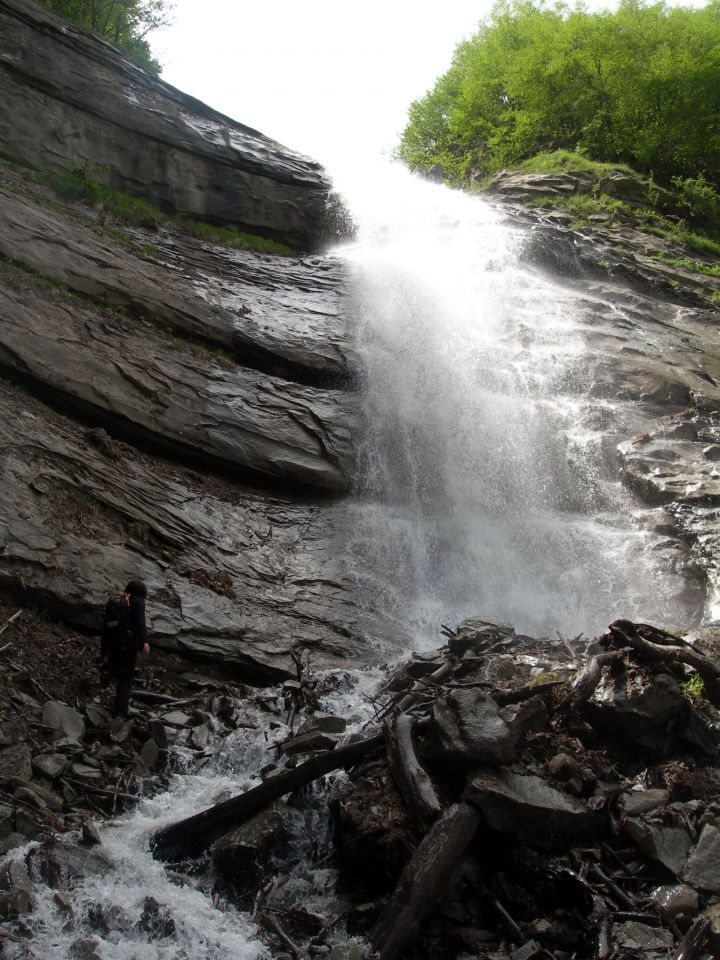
(70, 98)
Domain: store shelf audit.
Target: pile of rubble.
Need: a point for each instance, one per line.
(525, 798)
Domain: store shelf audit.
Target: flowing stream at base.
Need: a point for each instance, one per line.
(484, 489)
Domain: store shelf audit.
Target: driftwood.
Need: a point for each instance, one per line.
(694, 939)
(628, 633)
(423, 880)
(412, 781)
(586, 681)
(192, 836)
(419, 690)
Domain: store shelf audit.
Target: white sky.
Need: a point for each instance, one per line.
(325, 77)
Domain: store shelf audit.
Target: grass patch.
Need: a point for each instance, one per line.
(77, 185)
(562, 161)
(699, 266)
(694, 689)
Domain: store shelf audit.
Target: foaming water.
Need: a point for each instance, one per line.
(484, 487)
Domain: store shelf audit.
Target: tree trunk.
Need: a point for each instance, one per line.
(424, 879)
(192, 836)
(412, 781)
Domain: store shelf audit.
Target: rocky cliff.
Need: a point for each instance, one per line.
(70, 98)
(172, 408)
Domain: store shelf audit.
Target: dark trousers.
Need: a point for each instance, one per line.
(122, 672)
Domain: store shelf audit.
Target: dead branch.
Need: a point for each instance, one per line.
(423, 880)
(627, 632)
(412, 781)
(190, 837)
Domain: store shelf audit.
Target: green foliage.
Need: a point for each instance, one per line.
(694, 689)
(639, 85)
(560, 160)
(237, 239)
(123, 23)
(698, 197)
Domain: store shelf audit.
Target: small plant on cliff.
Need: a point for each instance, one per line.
(694, 689)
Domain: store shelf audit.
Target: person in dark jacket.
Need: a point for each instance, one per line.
(122, 639)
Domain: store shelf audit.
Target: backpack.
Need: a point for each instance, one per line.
(117, 623)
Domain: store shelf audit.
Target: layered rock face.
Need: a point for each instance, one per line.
(172, 409)
(69, 98)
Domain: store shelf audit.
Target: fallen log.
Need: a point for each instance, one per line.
(423, 880)
(626, 631)
(412, 781)
(587, 679)
(419, 689)
(192, 836)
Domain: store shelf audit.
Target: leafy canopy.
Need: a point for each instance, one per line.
(123, 23)
(640, 85)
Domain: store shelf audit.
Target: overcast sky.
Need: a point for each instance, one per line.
(322, 76)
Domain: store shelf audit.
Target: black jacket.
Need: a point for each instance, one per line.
(138, 627)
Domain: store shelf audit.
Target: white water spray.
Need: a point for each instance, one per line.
(485, 486)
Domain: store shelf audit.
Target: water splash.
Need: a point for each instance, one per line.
(486, 485)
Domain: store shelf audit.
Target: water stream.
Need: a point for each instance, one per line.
(485, 487)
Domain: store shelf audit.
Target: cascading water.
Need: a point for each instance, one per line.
(486, 486)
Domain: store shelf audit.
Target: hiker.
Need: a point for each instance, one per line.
(124, 635)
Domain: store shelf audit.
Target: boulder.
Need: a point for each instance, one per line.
(469, 729)
(527, 807)
(62, 864)
(637, 802)
(309, 741)
(50, 765)
(640, 709)
(678, 903)
(639, 938)
(156, 921)
(664, 844)
(59, 716)
(477, 635)
(323, 722)
(16, 762)
(702, 869)
(242, 853)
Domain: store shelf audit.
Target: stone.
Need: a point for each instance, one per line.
(50, 765)
(477, 634)
(59, 716)
(156, 921)
(702, 869)
(530, 716)
(98, 716)
(527, 951)
(527, 807)
(640, 937)
(667, 845)
(15, 762)
(324, 723)
(11, 841)
(89, 833)
(7, 820)
(564, 767)
(176, 718)
(84, 948)
(470, 730)
(309, 741)
(39, 797)
(60, 865)
(241, 853)
(199, 736)
(712, 452)
(15, 904)
(150, 754)
(634, 803)
(642, 711)
(348, 951)
(678, 903)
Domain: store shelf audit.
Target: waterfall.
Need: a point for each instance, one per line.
(488, 480)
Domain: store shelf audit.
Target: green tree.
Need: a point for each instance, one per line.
(640, 85)
(123, 23)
